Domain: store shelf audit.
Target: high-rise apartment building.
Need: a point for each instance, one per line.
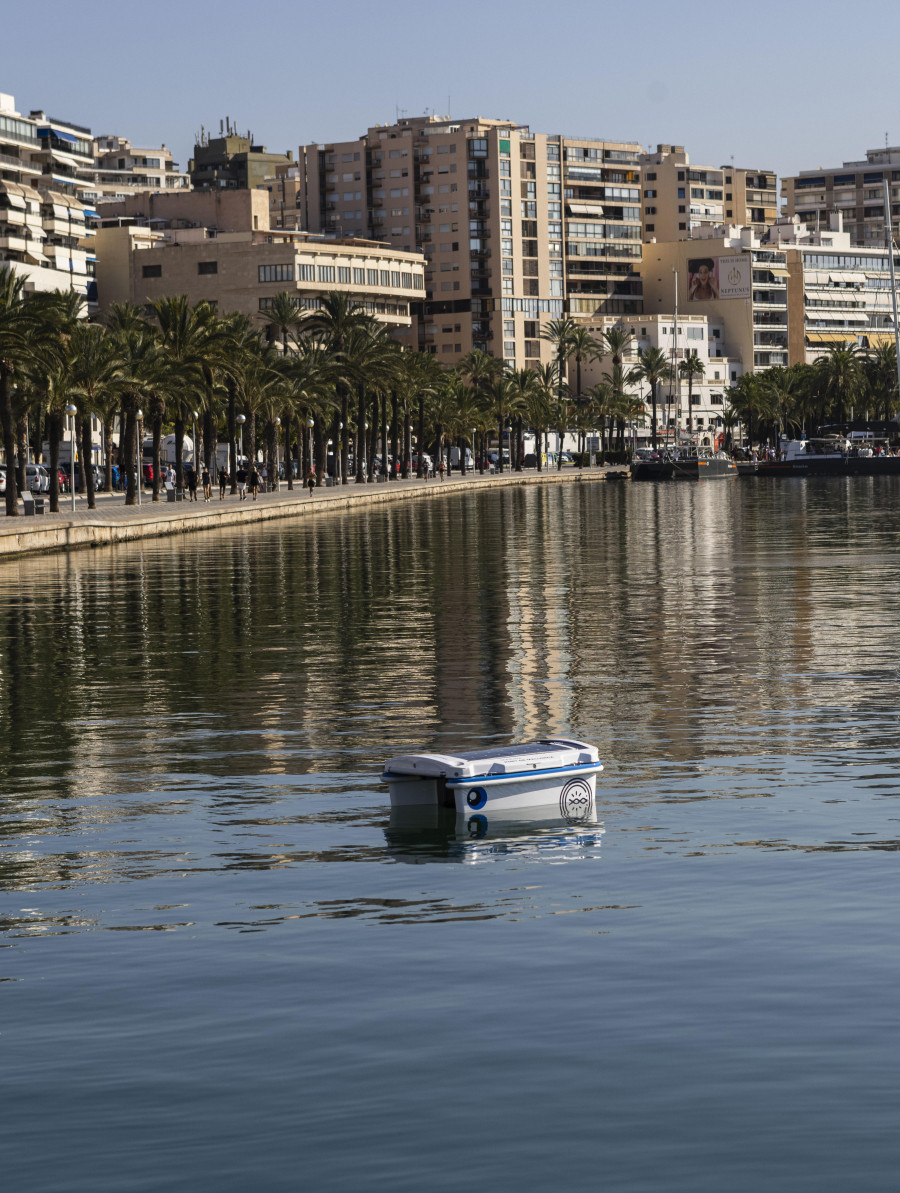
(518, 228)
(855, 189)
(679, 197)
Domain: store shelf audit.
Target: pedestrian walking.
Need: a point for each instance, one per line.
(206, 481)
(441, 468)
(242, 482)
(254, 482)
(191, 477)
(311, 482)
(170, 477)
(223, 483)
(265, 479)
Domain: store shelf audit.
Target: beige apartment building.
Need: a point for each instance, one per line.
(734, 278)
(855, 189)
(517, 228)
(679, 198)
(121, 168)
(217, 247)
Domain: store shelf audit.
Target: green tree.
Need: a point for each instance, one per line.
(652, 367)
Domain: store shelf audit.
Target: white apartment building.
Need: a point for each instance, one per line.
(696, 408)
(838, 292)
(43, 237)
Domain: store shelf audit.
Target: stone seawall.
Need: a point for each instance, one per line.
(113, 522)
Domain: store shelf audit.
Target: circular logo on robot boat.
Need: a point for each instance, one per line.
(576, 799)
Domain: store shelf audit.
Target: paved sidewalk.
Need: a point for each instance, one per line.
(113, 521)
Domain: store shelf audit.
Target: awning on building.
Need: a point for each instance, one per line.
(876, 338)
(45, 132)
(831, 337)
(847, 275)
(585, 208)
(778, 271)
(14, 199)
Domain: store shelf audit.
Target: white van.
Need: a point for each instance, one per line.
(37, 478)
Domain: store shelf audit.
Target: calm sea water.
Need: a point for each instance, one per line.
(226, 967)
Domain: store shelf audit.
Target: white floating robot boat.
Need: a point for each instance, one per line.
(540, 774)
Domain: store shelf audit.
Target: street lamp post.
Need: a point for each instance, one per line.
(310, 424)
(140, 451)
(71, 411)
(240, 420)
(276, 479)
(337, 455)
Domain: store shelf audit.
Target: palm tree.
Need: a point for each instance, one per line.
(881, 375)
(193, 343)
(652, 367)
(96, 379)
(842, 376)
(503, 399)
(690, 368)
(284, 314)
(338, 315)
(17, 322)
(782, 387)
(561, 334)
(480, 369)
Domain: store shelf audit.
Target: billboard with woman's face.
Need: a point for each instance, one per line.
(703, 279)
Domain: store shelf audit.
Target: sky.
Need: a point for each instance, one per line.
(776, 86)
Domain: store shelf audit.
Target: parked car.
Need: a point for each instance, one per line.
(37, 478)
(529, 460)
(426, 460)
(2, 480)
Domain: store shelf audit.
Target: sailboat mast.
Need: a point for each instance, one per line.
(676, 395)
(890, 248)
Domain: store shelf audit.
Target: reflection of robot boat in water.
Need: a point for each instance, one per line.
(552, 771)
(428, 833)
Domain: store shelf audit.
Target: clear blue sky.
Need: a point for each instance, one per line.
(792, 87)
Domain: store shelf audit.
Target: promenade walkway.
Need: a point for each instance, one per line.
(114, 522)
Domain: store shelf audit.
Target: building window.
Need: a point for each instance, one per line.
(395, 279)
(343, 275)
(152, 271)
(276, 273)
(326, 273)
(306, 273)
(371, 277)
(384, 277)
(207, 267)
(359, 277)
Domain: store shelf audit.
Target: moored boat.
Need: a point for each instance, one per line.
(703, 463)
(830, 455)
(553, 771)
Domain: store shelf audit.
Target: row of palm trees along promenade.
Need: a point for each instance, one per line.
(335, 376)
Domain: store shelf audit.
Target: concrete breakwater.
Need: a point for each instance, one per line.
(113, 522)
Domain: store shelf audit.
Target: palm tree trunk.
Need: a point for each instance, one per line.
(290, 420)
(179, 450)
(232, 440)
(407, 440)
(108, 420)
(87, 468)
(156, 431)
(360, 433)
(53, 437)
(420, 437)
(126, 457)
(251, 439)
(395, 455)
(9, 442)
(21, 450)
(319, 442)
(209, 437)
(653, 423)
(500, 421)
(342, 438)
(385, 466)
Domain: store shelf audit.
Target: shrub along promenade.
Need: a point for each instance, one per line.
(114, 522)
